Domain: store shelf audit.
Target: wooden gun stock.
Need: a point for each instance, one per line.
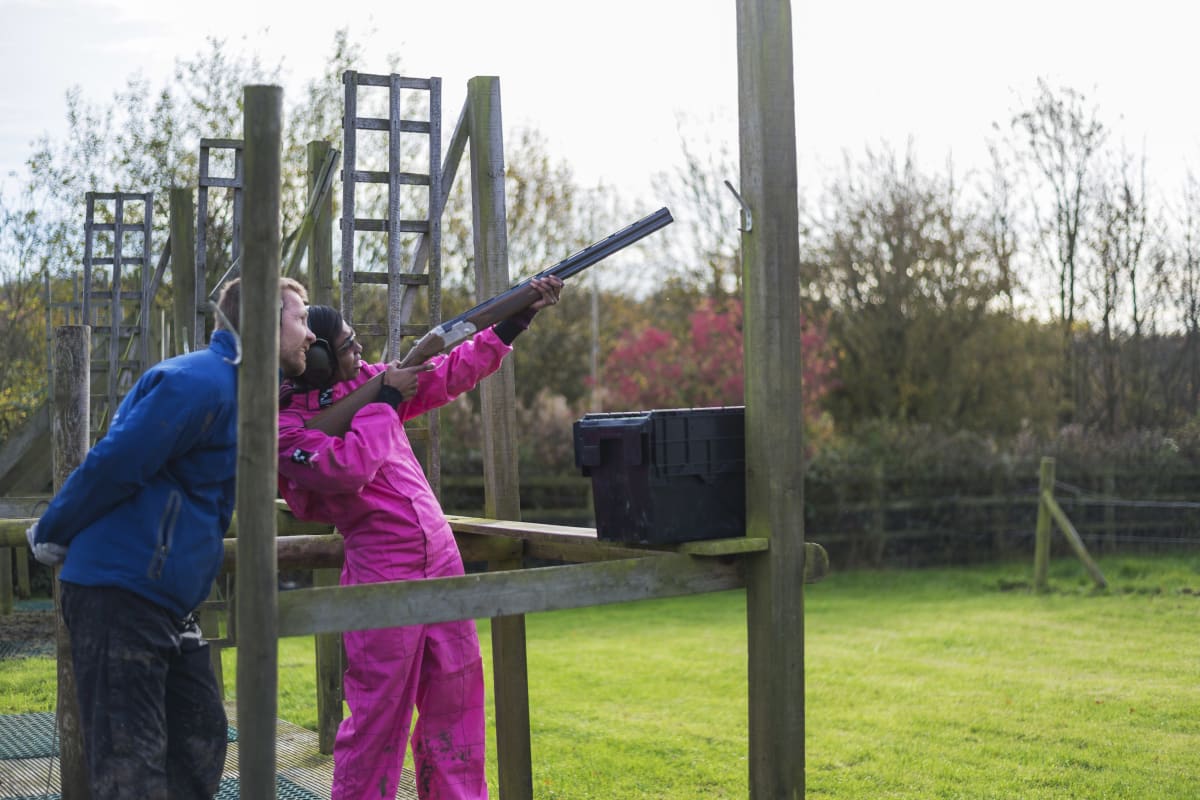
(336, 419)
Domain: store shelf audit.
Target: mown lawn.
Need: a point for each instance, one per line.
(940, 683)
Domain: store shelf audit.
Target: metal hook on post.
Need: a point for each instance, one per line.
(747, 220)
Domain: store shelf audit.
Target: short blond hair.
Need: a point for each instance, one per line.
(230, 299)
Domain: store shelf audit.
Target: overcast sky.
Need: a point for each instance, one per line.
(606, 82)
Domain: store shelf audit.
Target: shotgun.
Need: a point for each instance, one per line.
(335, 420)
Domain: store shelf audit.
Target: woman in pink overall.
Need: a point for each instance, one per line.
(370, 485)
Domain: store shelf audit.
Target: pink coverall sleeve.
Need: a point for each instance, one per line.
(456, 372)
(316, 461)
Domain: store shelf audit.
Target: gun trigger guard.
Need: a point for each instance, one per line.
(747, 219)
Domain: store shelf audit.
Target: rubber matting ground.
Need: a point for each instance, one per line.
(32, 736)
(230, 790)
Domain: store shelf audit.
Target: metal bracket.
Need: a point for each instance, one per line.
(747, 219)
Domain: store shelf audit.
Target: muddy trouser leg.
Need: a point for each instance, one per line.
(380, 685)
(121, 649)
(197, 729)
(449, 740)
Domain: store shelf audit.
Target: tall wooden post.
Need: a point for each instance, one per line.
(6, 580)
(70, 431)
(258, 426)
(328, 646)
(1110, 510)
(183, 269)
(1041, 544)
(774, 422)
(498, 399)
(320, 246)
(329, 668)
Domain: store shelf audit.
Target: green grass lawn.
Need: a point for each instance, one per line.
(940, 683)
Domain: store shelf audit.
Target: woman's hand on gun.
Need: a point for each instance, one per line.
(404, 379)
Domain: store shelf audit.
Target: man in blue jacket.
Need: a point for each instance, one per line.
(139, 528)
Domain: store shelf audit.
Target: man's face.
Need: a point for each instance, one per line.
(349, 354)
(294, 335)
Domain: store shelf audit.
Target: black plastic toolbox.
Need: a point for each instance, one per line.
(665, 476)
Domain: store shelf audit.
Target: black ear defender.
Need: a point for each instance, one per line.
(320, 365)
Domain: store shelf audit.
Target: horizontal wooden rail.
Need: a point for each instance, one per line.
(499, 594)
(12, 531)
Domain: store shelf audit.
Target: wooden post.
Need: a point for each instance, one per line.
(1041, 546)
(1110, 511)
(210, 624)
(6, 581)
(183, 269)
(330, 665)
(1074, 539)
(498, 400)
(72, 390)
(878, 517)
(774, 433)
(23, 588)
(258, 426)
(320, 246)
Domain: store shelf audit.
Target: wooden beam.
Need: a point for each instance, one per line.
(183, 270)
(257, 580)
(1041, 541)
(6, 581)
(497, 594)
(498, 410)
(1074, 539)
(505, 541)
(774, 418)
(320, 246)
(329, 668)
(72, 421)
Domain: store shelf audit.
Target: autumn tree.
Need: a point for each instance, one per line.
(915, 305)
(1060, 137)
(704, 365)
(25, 246)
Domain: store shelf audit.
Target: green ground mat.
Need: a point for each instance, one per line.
(34, 604)
(32, 736)
(284, 790)
(26, 649)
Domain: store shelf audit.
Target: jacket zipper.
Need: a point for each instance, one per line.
(166, 534)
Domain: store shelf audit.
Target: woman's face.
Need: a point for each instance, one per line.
(349, 354)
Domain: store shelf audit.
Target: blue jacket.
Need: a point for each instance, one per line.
(148, 508)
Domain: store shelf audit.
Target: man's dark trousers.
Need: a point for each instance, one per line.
(153, 722)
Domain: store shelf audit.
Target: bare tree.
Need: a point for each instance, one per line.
(1186, 291)
(706, 243)
(1062, 136)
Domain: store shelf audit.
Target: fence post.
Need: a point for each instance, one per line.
(320, 246)
(329, 673)
(1041, 549)
(1110, 512)
(23, 588)
(183, 269)
(70, 430)
(257, 573)
(6, 581)
(878, 536)
(774, 448)
(502, 498)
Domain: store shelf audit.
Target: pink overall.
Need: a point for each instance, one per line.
(371, 487)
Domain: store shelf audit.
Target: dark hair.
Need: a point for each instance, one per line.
(326, 324)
